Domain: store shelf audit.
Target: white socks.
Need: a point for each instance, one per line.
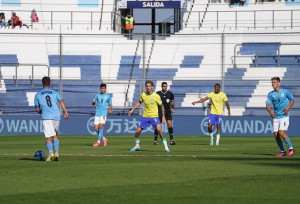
(165, 144)
(137, 142)
(211, 135)
(218, 138)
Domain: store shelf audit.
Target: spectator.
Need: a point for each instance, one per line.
(242, 2)
(259, 1)
(129, 21)
(34, 17)
(232, 2)
(16, 20)
(2, 20)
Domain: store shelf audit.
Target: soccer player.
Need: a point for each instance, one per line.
(46, 103)
(102, 101)
(217, 99)
(150, 115)
(282, 101)
(167, 98)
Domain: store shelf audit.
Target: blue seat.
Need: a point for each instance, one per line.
(6, 59)
(191, 61)
(261, 49)
(90, 65)
(88, 3)
(11, 2)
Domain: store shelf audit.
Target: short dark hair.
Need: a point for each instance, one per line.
(217, 84)
(149, 82)
(46, 81)
(102, 85)
(164, 83)
(275, 78)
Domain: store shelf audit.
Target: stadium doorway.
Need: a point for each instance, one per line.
(151, 17)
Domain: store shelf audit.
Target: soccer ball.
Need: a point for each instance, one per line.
(39, 155)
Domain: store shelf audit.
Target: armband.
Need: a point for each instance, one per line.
(172, 106)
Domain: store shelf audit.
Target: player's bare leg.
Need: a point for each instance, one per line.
(137, 139)
(218, 134)
(211, 134)
(283, 134)
(163, 139)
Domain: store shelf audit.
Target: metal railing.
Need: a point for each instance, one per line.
(166, 24)
(256, 54)
(17, 66)
(70, 18)
(252, 22)
(222, 44)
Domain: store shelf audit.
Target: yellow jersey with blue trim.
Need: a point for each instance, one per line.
(151, 101)
(217, 100)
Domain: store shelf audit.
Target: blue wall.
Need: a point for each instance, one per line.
(124, 125)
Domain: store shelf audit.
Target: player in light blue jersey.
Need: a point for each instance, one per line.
(282, 101)
(46, 103)
(102, 101)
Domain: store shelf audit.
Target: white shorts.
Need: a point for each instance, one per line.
(280, 124)
(51, 128)
(99, 120)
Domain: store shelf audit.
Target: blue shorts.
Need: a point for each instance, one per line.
(144, 122)
(215, 119)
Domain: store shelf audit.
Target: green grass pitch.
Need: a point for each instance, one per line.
(240, 170)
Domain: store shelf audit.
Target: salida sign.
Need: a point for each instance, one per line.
(149, 4)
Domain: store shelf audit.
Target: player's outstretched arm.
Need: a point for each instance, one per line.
(201, 100)
(136, 106)
(287, 109)
(228, 108)
(63, 105)
(269, 110)
(94, 102)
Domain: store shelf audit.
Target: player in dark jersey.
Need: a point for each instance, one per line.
(167, 98)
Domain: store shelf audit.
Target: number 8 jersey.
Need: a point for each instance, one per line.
(47, 100)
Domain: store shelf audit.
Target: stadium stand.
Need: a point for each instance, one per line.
(240, 47)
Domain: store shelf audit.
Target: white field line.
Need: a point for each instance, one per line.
(127, 155)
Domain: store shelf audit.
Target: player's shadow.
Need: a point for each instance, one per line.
(140, 150)
(88, 145)
(271, 155)
(28, 159)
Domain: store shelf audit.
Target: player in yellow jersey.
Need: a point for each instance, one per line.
(216, 112)
(152, 101)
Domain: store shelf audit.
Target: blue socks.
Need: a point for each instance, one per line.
(280, 145)
(288, 142)
(49, 147)
(100, 134)
(56, 145)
